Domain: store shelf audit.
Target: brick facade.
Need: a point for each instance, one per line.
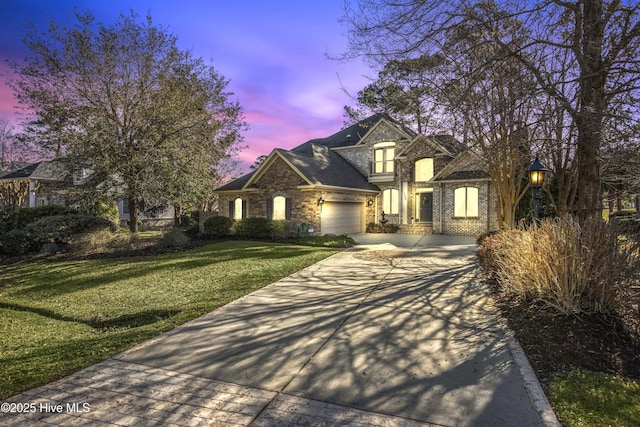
(277, 177)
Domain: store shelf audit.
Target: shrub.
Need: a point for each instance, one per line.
(173, 238)
(253, 228)
(571, 267)
(217, 226)
(282, 230)
(99, 241)
(17, 242)
(26, 216)
(372, 227)
(60, 228)
(105, 209)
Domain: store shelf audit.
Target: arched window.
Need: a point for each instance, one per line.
(238, 211)
(424, 170)
(465, 202)
(390, 201)
(279, 208)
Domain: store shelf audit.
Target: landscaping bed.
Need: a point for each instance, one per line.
(571, 295)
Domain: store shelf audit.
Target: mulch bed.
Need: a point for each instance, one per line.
(557, 343)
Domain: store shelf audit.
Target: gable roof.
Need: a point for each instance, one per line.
(327, 168)
(353, 134)
(46, 170)
(317, 165)
(443, 144)
(467, 165)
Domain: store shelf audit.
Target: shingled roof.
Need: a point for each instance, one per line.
(52, 170)
(354, 133)
(322, 166)
(318, 163)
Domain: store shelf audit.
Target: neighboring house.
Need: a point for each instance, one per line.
(49, 182)
(376, 170)
(36, 184)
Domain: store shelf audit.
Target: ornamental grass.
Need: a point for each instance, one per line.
(572, 267)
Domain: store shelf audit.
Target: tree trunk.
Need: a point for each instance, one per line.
(590, 115)
(133, 215)
(177, 215)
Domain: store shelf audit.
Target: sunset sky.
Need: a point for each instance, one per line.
(274, 52)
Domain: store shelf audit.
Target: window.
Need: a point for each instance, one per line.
(424, 170)
(237, 209)
(383, 155)
(279, 208)
(390, 201)
(465, 202)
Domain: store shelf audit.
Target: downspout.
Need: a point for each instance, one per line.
(440, 213)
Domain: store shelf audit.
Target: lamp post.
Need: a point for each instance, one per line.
(536, 178)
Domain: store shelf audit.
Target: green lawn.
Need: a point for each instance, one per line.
(59, 316)
(583, 399)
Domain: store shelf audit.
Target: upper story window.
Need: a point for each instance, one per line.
(465, 202)
(424, 170)
(383, 155)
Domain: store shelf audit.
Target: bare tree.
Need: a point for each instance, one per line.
(599, 39)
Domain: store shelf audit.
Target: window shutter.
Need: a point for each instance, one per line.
(287, 207)
(269, 209)
(244, 209)
(231, 212)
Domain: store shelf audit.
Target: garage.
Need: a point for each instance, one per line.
(341, 217)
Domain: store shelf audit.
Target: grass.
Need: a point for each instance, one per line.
(59, 316)
(590, 399)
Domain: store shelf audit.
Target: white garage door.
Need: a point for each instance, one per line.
(341, 217)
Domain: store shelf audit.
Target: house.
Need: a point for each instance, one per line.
(377, 170)
(49, 182)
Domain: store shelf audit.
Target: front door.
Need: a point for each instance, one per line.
(425, 207)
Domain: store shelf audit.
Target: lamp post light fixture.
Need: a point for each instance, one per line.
(536, 179)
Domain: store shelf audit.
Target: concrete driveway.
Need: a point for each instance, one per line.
(396, 331)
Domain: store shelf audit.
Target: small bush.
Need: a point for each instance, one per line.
(283, 230)
(26, 216)
(173, 238)
(60, 228)
(389, 228)
(253, 228)
(105, 209)
(17, 242)
(571, 267)
(217, 226)
(98, 241)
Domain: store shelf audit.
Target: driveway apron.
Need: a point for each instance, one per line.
(393, 333)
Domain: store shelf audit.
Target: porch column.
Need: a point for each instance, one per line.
(404, 193)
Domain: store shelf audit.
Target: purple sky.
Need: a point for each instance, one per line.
(274, 53)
